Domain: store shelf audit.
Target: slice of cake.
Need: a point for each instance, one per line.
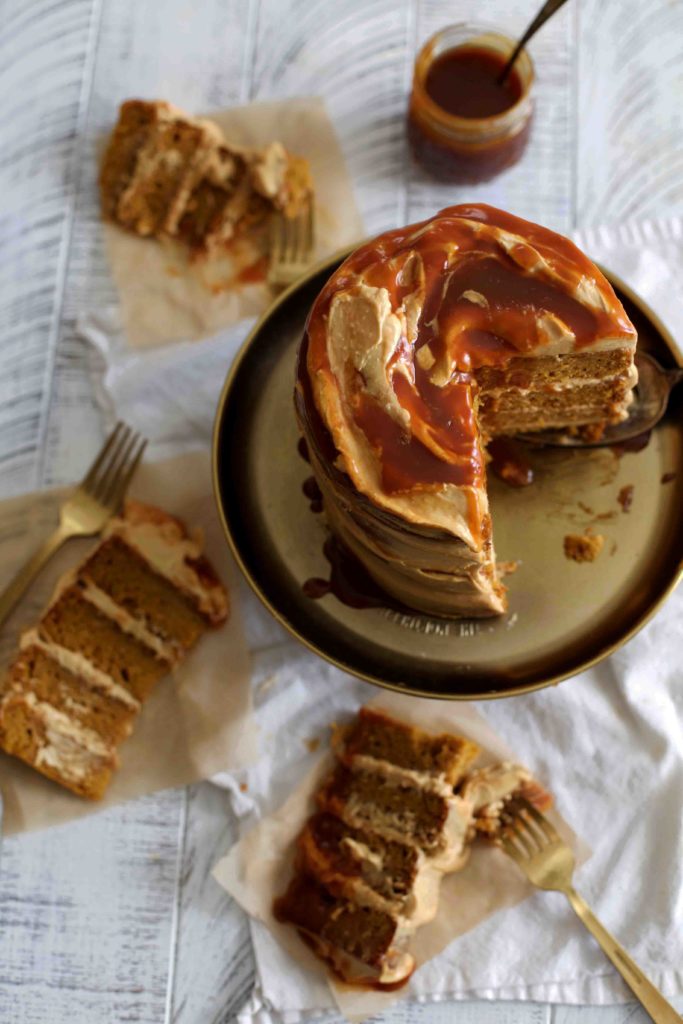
(166, 174)
(114, 627)
(363, 945)
(359, 863)
(370, 860)
(426, 343)
(399, 811)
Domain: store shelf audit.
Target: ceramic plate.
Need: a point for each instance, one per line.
(563, 616)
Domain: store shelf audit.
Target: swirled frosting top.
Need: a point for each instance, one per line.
(399, 329)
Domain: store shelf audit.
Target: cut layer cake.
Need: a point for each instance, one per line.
(425, 344)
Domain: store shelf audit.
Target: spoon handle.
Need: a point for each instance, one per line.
(547, 11)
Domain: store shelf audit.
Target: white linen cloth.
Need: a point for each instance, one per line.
(609, 742)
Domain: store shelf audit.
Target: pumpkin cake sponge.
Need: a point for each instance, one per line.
(114, 627)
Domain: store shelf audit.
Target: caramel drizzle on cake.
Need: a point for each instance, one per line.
(426, 343)
(166, 174)
(114, 627)
(395, 815)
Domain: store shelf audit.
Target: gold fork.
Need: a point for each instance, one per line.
(548, 862)
(96, 499)
(292, 241)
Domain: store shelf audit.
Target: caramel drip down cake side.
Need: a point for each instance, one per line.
(114, 627)
(425, 344)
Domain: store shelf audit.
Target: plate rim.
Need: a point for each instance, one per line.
(604, 652)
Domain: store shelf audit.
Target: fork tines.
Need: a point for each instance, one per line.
(108, 478)
(292, 241)
(525, 829)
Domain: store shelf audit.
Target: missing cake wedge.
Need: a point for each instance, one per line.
(115, 626)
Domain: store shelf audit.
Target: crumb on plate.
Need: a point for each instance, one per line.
(625, 497)
(583, 547)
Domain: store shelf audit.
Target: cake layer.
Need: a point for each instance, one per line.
(74, 663)
(36, 671)
(136, 119)
(558, 372)
(127, 578)
(356, 940)
(76, 624)
(555, 391)
(516, 411)
(167, 167)
(166, 174)
(361, 865)
(358, 862)
(388, 804)
(57, 745)
(376, 735)
(114, 627)
(222, 199)
(165, 546)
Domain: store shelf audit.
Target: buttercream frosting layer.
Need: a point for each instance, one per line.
(164, 543)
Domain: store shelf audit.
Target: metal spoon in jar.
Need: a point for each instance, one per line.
(650, 400)
(545, 12)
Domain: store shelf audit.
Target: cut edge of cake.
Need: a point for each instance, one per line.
(405, 493)
(363, 883)
(166, 174)
(81, 675)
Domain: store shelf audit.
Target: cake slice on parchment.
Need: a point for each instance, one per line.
(397, 813)
(166, 174)
(114, 627)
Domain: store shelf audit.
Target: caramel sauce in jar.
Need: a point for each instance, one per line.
(462, 125)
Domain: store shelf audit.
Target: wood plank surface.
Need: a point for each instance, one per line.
(116, 918)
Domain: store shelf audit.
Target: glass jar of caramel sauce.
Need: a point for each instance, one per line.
(463, 125)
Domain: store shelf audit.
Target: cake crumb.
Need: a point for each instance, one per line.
(667, 478)
(625, 497)
(507, 568)
(312, 744)
(588, 431)
(243, 787)
(583, 547)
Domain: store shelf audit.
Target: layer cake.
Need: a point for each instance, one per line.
(425, 344)
(397, 813)
(115, 626)
(166, 174)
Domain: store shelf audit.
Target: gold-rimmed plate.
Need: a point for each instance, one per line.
(563, 616)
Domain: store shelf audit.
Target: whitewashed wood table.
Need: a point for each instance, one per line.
(116, 918)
